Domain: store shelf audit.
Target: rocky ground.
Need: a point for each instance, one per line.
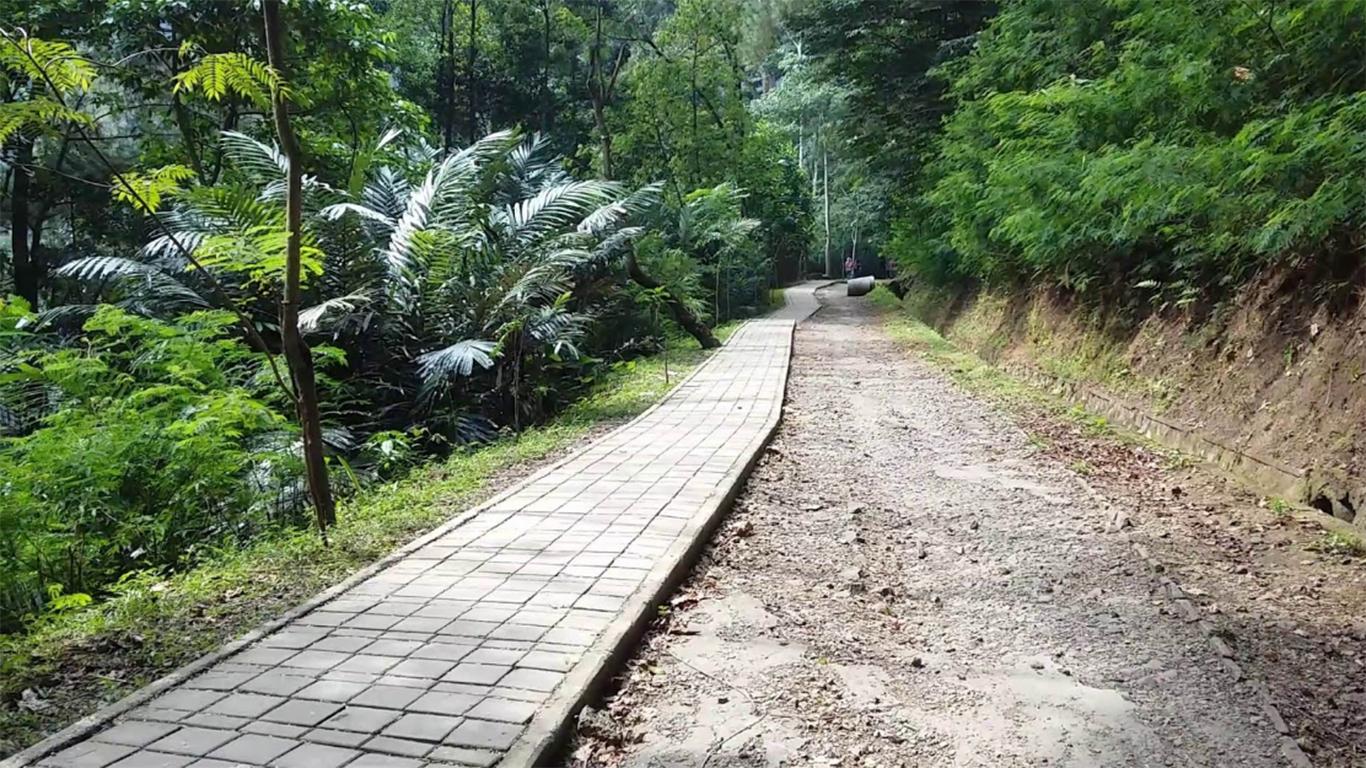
(917, 577)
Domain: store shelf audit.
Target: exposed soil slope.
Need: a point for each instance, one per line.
(1277, 371)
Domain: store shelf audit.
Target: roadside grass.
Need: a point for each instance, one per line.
(71, 663)
(979, 376)
(1340, 544)
(964, 367)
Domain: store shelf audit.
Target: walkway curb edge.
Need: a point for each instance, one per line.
(554, 721)
(102, 717)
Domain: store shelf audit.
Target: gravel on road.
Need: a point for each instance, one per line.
(914, 577)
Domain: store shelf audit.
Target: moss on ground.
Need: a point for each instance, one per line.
(74, 662)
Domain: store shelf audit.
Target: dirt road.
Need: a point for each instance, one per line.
(911, 580)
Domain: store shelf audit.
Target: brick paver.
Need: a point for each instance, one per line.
(443, 657)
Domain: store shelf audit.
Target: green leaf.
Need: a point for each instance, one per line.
(220, 74)
(144, 191)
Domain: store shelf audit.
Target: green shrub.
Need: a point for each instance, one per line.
(157, 447)
(1167, 147)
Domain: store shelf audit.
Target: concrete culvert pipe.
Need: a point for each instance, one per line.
(859, 286)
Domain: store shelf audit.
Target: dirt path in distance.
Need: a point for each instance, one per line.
(913, 578)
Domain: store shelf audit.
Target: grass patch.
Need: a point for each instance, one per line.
(73, 662)
(1340, 544)
(981, 377)
(964, 367)
(1279, 507)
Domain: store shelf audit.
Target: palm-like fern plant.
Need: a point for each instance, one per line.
(712, 227)
(483, 257)
(455, 286)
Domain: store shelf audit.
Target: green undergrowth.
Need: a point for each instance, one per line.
(964, 367)
(981, 377)
(72, 661)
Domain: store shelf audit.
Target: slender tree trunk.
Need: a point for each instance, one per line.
(23, 257)
(682, 315)
(598, 94)
(446, 75)
(830, 267)
(547, 107)
(186, 128)
(815, 166)
(604, 140)
(473, 83)
(296, 349)
(693, 76)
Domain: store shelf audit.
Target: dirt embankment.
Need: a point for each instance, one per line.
(1276, 373)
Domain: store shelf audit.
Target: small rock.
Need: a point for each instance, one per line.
(30, 701)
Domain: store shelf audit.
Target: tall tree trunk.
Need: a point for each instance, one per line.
(600, 92)
(473, 83)
(604, 139)
(296, 349)
(815, 165)
(186, 127)
(831, 269)
(446, 75)
(599, 95)
(693, 78)
(547, 107)
(23, 257)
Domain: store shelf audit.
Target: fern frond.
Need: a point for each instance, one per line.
(46, 61)
(260, 161)
(563, 206)
(618, 211)
(257, 253)
(145, 191)
(311, 319)
(35, 115)
(219, 74)
(338, 210)
(436, 369)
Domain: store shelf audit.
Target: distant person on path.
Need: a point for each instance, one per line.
(849, 267)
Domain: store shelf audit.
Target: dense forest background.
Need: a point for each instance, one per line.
(244, 277)
(249, 268)
(1137, 153)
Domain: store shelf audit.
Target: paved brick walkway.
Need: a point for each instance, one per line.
(446, 656)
